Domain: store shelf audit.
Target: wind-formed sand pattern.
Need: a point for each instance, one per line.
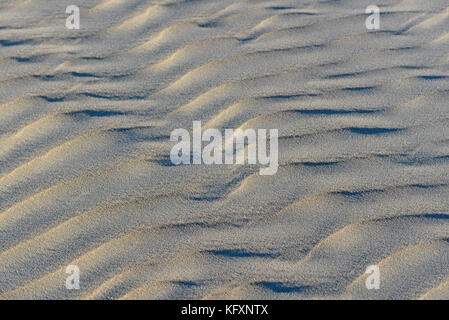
(86, 177)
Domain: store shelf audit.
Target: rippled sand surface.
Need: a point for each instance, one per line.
(86, 178)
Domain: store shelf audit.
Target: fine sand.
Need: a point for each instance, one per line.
(86, 177)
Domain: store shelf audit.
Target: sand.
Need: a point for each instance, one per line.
(86, 178)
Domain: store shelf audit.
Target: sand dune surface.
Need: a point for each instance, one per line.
(85, 171)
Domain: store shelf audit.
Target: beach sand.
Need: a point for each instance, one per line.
(85, 171)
